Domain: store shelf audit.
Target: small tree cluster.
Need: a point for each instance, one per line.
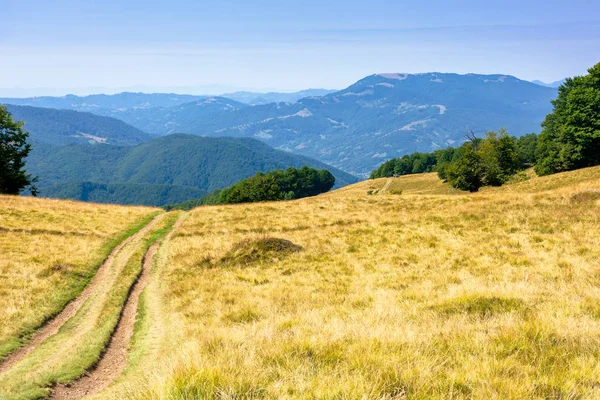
(293, 183)
(488, 162)
(479, 162)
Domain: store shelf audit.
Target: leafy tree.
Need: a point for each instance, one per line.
(526, 148)
(570, 138)
(500, 158)
(467, 172)
(14, 148)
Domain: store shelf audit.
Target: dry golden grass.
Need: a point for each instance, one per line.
(489, 295)
(80, 342)
(49, 250)
(425, 294)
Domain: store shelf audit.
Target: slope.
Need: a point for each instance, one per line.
(165, 170)
(386, 115)
(166, 120)
(61, 127)
(388, 296)
(50, 250)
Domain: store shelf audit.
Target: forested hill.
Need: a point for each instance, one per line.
(59, 127)
(183, 161)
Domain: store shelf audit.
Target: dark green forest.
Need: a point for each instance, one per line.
(293, 183)
(174, 168)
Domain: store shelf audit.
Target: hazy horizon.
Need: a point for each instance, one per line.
(208, 90)
(214, 47)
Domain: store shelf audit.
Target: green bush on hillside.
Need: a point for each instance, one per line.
(293, 183)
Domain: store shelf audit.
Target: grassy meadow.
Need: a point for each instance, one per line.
(49, 250)
(420, 292)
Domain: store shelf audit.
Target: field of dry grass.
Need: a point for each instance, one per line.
(49, 250)
(424, 294)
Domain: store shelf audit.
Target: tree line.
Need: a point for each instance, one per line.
(570, 139)
(293, 183)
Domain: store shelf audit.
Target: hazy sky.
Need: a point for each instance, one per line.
(215, 46)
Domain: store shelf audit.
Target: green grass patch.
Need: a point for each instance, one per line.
(480, 306)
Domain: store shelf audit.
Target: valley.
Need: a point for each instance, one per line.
(354, 292)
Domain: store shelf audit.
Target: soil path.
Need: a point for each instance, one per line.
(386, 186)
(53, 325)
(114, 359)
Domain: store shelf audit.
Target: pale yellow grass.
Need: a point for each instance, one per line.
(492, 295)
(49, 250)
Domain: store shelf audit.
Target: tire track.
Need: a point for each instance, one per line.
(386, 186)
(51, 327)
(115, 358)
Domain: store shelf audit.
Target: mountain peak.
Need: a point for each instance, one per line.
(394, 76)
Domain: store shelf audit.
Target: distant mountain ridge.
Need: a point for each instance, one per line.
(387, 115)
(103, 103)
(355, 129)
(166, 120)
(254, 98)
(59, 127)
(166, 170)
(551, 85)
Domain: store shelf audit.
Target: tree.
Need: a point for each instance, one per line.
(526, 148)
(466, 173)
(570, 138)
(14, 148)
(500, 158)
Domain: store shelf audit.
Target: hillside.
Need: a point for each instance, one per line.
(50, 250)
(166, 120)
(377, 118)
(359, 291)
(59, 127)
(387, 115)
(166, 170)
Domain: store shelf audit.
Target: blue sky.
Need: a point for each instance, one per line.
(60, 46)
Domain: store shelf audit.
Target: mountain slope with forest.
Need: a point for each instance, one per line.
(174, 168)
(387, 115)
(60, 127)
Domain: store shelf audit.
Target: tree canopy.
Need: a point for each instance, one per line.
(14, 148)
(570, 138)
(293, 183)
(479, 162)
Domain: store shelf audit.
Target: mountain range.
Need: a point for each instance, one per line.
(354, 129)
(378, 117)
(165, 170)
(253, 98)
(552, 84)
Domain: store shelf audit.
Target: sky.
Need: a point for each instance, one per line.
(216, 46)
